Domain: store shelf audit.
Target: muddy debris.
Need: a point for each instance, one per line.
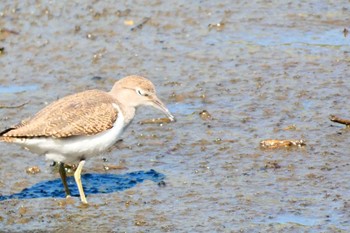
(271, 165)
(128, 22)
(16, 106)
(65, 202)
(123, 13)
(340, 120)
(114, 167)
(140, 25)
(22, 210)
(161, 183)
(2, 50)
(4, 33)
(90, 36)
(119, 145)
(217, 140)
(140, 220)
(155, 121)
(345, 32)
(33, 170)
(96, 78)
(276, 143)
(205, 115)
(77, 28)
(217, 26)
(290, 127)
(173, 83)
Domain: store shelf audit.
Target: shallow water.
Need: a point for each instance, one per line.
(262, 69)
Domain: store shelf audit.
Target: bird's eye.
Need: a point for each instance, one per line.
(139, 92)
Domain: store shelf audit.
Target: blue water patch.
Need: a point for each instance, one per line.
(307, 104)
(185, 108)
(290, 36)
(290, 218)
(16, 89)
(92, 183)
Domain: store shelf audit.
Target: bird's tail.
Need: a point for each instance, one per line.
(4, 138)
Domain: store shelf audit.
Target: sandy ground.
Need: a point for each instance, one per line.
(262, 69)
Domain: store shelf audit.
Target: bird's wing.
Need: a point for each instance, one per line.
(85, 113)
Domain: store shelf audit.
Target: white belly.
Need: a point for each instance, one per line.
(73, 149)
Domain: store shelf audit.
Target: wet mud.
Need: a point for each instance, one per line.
(232, 73)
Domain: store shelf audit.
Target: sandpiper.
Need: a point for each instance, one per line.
(82, 125)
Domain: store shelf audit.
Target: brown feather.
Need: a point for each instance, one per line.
(85, 113)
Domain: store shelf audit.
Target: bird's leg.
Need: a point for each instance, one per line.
(63, 175)
(77, 177)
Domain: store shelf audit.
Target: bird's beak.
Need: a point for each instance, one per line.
(159, 104)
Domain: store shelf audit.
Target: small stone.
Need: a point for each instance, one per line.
(161, 183)
(22, 210)
(96, 78)
(33, 170)
(77, 28)
(205, 115)
(90, 36)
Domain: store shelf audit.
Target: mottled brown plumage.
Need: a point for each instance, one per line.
(85, 113)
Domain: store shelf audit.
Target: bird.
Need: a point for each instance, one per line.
(82, 125)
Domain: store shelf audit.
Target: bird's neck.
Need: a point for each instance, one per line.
(128, 113)
(126, 106)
